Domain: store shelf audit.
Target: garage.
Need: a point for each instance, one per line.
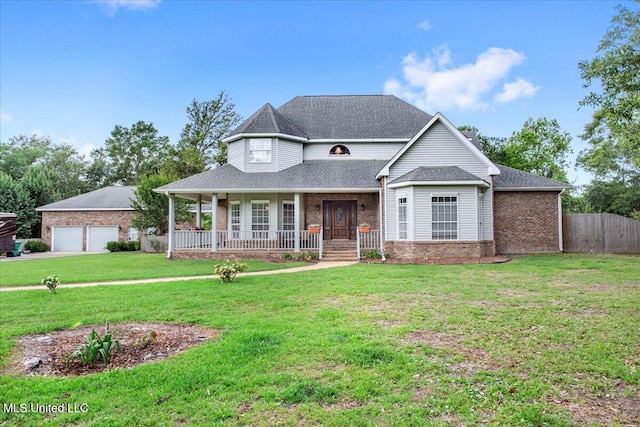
(99, 235)
(66, 238)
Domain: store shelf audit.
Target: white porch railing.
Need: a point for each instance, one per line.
(192, 239)
(247, 240)
(367, 241)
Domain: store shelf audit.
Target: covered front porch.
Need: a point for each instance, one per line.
(268, 225)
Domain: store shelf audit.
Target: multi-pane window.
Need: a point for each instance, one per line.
(132, 233)
(260, 220)
(260, 150)
(402, 218)
(444, 218)
(235, 220)
(288, 216)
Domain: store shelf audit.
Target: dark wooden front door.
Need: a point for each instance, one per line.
(339, 219)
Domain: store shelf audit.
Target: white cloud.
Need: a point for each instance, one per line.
(112, 6)
(5, 117)
(425, 25)
(516, 90)
(434, 83)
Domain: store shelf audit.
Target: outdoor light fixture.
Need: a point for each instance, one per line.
(362, 207)
(318, 207)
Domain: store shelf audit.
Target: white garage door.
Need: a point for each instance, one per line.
(66, 239)
(98, 236)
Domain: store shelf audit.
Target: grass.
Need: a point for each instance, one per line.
(541, 340)
(114, 266)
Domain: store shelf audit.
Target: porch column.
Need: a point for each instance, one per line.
(381, 207)
(296, 222)
(199, 212)
(172, 225)
(214, 222)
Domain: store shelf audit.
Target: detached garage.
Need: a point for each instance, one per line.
(88, 221)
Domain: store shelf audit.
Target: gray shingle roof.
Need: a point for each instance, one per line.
(339, 117)
(268, 120)
(334, 175)
(471, 136)
(438, 173)
(108, 198)
(511, 178)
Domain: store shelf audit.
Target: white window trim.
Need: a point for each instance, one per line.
(292, 203)
(268, 230)
(230, 226)
(269, 150)
(457, 196)
(406, 213)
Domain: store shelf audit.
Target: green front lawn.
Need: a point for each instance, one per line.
(114, 266)
(541, 340)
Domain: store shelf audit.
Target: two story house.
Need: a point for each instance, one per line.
(425, 187)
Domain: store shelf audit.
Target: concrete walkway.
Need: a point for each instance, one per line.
(316, 266)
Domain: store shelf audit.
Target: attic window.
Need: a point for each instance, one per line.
(339, 149)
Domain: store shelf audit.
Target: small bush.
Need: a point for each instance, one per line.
(371, 254)
(51, 282)
(36, 246)
(129, 246)
(227, 272)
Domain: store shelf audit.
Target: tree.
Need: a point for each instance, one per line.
(540, 147)
(614, 131)
(47, 172)
(152, 209)
(131, 153)
(21, 152)
(41, 190)
(209, 122)
(15, 199)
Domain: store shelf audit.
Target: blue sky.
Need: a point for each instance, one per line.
(75, 69)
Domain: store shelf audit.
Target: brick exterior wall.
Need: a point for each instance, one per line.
(526, 222)
(369, 215)
(84, 218)
(406, 250)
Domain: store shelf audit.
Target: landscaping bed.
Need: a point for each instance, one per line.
(50, 354)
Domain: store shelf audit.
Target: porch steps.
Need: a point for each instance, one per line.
(339, 250)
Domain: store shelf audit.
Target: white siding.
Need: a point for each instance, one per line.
(235, 154)
(289, 153)
(358, 150)
(487, 214)
(438, 147)
(467, 206)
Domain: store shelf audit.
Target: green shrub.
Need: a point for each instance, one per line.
(51, 282)
(36, 246)
(95, 346)
(227, 272)
(371, 254)
(130, 246)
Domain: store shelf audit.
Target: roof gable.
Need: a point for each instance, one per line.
(439, 118)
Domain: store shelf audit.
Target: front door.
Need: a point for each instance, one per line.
(340, 219)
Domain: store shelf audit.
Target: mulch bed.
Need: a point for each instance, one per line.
(49, 354)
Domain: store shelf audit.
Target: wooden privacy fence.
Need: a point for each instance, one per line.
(600, 233)
(149, 243)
